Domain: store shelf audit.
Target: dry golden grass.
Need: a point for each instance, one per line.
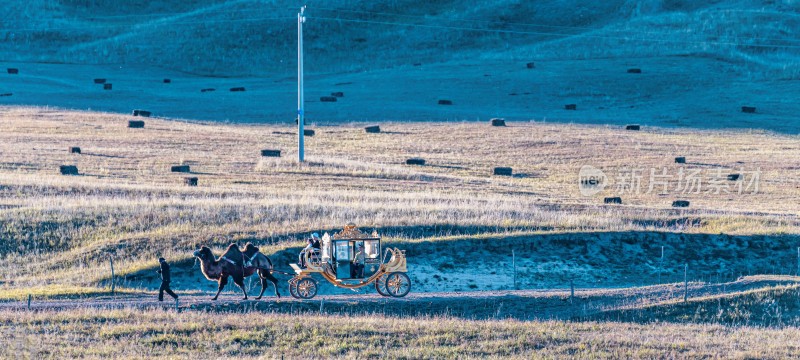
(128, 204)
(140, 333)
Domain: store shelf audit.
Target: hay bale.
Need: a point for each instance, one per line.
(308, 132)
(415, 161)
(372, 129)
(497, 122)
(634, 71)
(99, 81)
(190, 181)
(633, 127)
(136, 124)
(337, 94)
(142, 113)
(207, 90)
(530, 65)
(749, 109)
(503, 171)
(167, 81)
(271, 153)
(107, 86)
(6, 94)
(328, 99)
(74, 150)
(680, 203)
(612, 200)
(13, 71)
(680, 160)
(180, 168)
(445, 102)
(571, 107)
(734, 177)
(237, 89)
(68, 170)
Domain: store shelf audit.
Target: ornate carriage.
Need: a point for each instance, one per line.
(352, 259)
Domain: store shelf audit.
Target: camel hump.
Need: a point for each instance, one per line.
(250, 250)
(233, 254)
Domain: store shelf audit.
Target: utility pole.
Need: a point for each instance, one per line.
(301, 18)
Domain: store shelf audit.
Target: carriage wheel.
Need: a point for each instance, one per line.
(293, 289)
(380, 285)
(306, 288)
(398, 284)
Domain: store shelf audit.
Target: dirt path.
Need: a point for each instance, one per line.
(521, 305)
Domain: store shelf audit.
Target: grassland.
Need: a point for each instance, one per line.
(135, 333)
(128, 205)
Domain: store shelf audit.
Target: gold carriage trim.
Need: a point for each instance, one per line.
(350, 231)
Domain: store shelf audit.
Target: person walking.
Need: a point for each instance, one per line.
(165, 279)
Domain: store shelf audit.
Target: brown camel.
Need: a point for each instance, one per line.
(236, 264)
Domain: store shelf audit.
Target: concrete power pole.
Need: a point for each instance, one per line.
(301, 18)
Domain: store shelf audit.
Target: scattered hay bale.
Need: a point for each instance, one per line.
(503, 171)
(680, 203)
(68, 170)
(372, 129)
(142, 113)
(734, 177)
(680, 160)
(237, 89)
(190, 181)
(415, 161)
(13, 71)
(107, 86)
(633, 127)
(308, 132)
(749, 109)
(328, 99)
(167, 81)
(612, 200)
(99, 81)
(6, 94)
(337, 94)
(445, 102)
(136, 124)
(271, 153)
(634, 71)
(180, 168)
(530, 65)
(207, 90)
(74, 150)
(571, 107)
(497, 122)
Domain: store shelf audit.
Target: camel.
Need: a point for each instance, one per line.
(239, 265)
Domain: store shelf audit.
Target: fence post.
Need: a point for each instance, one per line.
(571, 291)
(514, 265)
(686, 284)
(113, 281)
(661, 265)
(29, 301)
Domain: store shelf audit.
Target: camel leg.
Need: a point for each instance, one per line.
(274, 281)
(223, 280)
(239, 281)
(263, 287)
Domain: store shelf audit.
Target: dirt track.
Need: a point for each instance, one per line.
(521, 305)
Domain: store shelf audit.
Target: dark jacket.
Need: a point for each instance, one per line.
(164, 271)
(316, 245)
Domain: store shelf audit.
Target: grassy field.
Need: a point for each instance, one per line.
(457, 221)
(136, 333)
(127, 204)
